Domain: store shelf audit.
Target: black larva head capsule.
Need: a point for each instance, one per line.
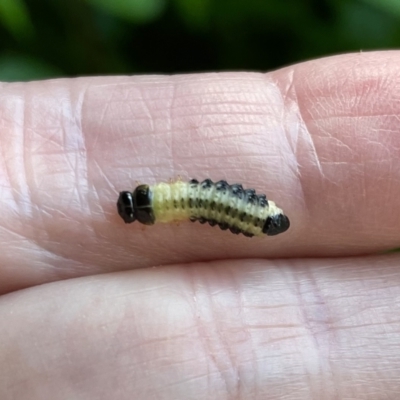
(126, 207)
(276, 224)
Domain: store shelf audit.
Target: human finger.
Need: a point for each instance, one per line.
(319, 138)
(293, 329)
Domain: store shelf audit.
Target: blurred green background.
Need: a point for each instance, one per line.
(50, 38)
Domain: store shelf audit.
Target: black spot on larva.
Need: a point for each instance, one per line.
(175, 204)
(193, 219)
(249, 192)
(223, 225)
(190, 202)
(237, 190)
(262, 200)
(194, 182)
(221, 185)
(212, 205)
(242, 216)
(251, 197)
(206, 184)
(234, 212)
(235, 230)
(183, 205)
(227, 210)
(202, 220)
(247, 234)
(212, 222)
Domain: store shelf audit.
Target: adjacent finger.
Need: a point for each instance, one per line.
(255, 329)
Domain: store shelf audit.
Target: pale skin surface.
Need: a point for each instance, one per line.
(189, 311)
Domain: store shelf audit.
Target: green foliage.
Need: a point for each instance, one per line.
(196, 13)
(134, 10)
(391, 6)
(43, 38)
(15, 18)
(23, 68)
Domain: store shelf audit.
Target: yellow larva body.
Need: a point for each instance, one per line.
(171, 201)
(228, 206)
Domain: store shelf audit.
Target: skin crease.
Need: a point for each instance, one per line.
(92, 308)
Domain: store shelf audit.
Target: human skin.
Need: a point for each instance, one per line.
(92, 308)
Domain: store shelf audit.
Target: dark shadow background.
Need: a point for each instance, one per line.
(48, 38)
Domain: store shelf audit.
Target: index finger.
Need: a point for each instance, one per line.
(321, 139)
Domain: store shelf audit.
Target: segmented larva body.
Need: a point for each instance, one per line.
(228, 206)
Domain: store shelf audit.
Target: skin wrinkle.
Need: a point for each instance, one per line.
(309, 140)
(238, 386)
(24, 160)
(51, 251)
(228, 371)
(14, 193)
(82, 174)
(106, 179)
(23, 155)
(350, 117)
(202, 330)
(364, 185)
(49, 264)
(306, 135)
(171, 102)
(101, 120)
(289, 102)
(318, 322)
(202, 114)
(146, 111)
(27, 156)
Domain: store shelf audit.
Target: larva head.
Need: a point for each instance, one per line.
(126, 207)
(276, 224)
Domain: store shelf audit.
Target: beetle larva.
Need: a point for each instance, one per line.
(228, 206)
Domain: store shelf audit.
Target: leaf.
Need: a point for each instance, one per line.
(134, 10)
(391, 6)
(196, 13)
(22, 68)
(15, 17)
